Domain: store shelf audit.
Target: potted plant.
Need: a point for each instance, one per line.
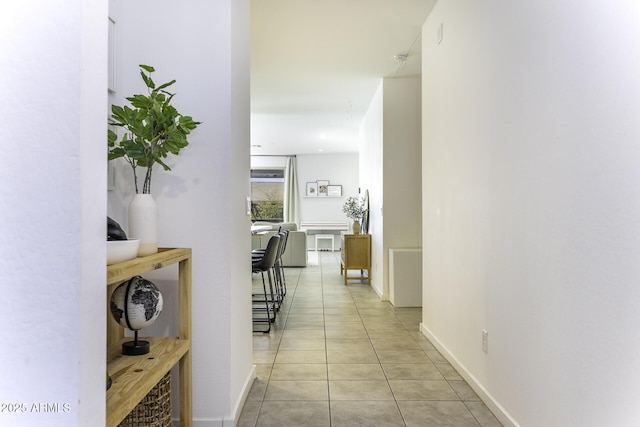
(153, 129)
(354, 208)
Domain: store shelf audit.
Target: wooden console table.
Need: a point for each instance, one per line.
(356, 255)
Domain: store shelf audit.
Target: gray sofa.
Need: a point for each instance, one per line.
(295, 255)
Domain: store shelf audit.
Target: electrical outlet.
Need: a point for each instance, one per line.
(485, 341)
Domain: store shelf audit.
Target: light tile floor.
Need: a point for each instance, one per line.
(338, 356)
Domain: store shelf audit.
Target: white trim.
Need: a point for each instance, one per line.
(202, 423)
(112, 57)
(237, 410)
(494, 406)
(380, 294)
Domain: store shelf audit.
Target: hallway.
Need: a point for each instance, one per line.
(338, 356)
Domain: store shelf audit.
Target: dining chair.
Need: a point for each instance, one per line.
(262, 264)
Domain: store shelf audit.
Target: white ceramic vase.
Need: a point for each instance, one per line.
(143, 223)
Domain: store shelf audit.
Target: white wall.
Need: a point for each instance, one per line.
(241, 345)
(402, 183)
(202, 201)
(266, 162)
(52, 204)
(371, 178)
(531, 204)
(402, 150)
(390, 169)
(338, 169)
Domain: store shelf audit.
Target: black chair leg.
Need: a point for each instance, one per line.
(260, 309)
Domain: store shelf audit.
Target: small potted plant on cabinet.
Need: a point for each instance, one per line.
(354, 208)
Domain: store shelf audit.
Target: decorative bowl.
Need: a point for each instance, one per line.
(122, 250)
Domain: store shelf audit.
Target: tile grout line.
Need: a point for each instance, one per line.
(324, 328)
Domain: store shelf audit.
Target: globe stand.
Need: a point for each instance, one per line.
(135, 304)
(135, 347)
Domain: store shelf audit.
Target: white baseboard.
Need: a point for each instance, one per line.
(237, 409)
(494, 406)
(231, 420)
(204, 423)
(378, 291)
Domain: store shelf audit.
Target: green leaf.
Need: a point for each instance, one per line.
(188, 124)
(157, 108)
(175, 145)
(111, 138)
(147, 68)
(116, 153)
(163, 164)
(140, 101)
(166, 85)
(135, 152)
(147, 80)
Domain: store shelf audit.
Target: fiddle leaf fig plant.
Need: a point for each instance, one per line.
(153, 129)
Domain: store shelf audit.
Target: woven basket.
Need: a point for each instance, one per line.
(155, 409)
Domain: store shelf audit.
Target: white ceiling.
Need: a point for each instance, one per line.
(316, 64)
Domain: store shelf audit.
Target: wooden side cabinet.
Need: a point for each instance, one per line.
(356, 255)
(134, 376)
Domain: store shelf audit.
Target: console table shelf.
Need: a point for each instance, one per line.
(134, 376)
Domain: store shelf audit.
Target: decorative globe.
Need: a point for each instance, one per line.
(143, 303)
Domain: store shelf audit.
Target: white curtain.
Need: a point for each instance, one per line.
(291, 201)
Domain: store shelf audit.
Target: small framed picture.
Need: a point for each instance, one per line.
(312, 189)
(323, 187)
(334, 190)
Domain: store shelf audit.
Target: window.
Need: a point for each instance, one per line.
(267, 195)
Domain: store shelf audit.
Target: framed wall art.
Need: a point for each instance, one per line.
(334, 190)
(323, 188)
(312, 189)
